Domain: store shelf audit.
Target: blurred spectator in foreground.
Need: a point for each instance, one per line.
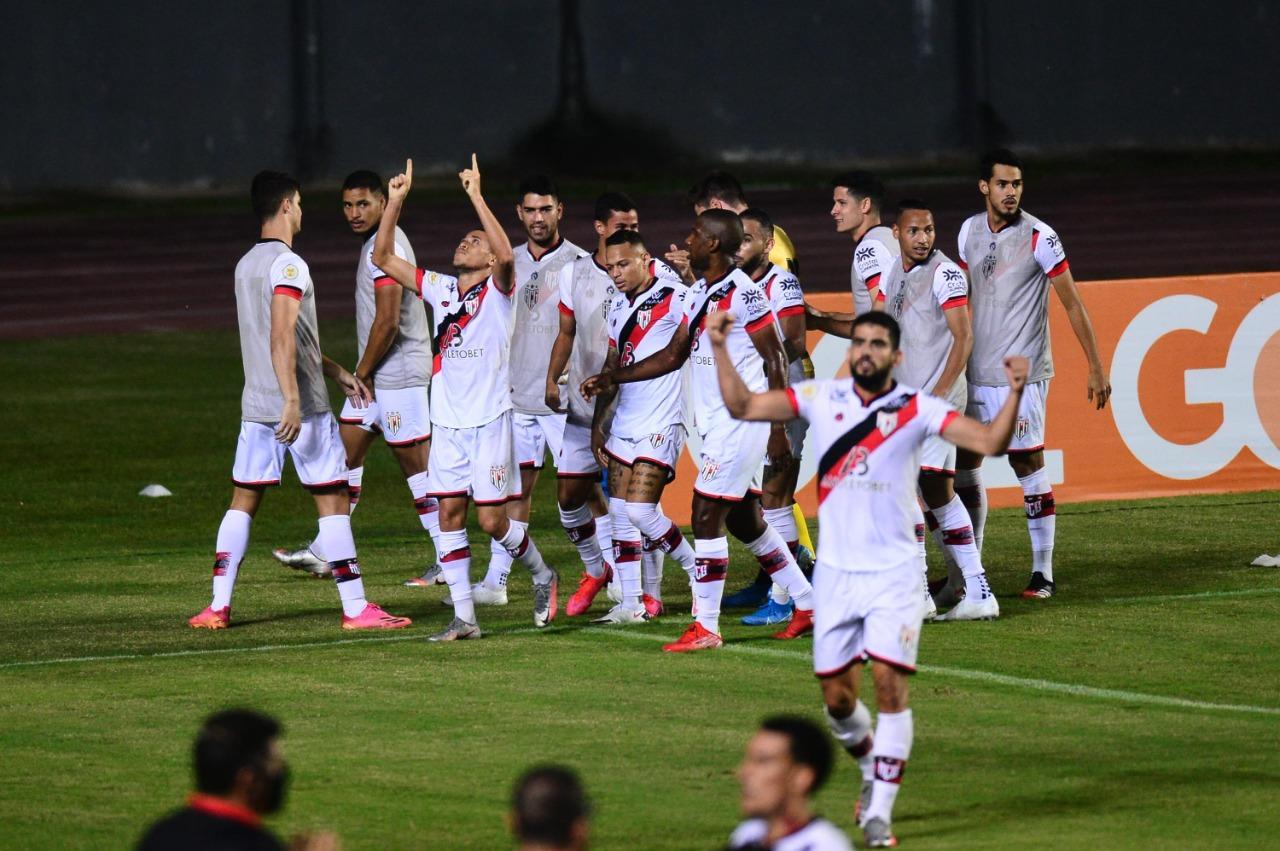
(549, 810)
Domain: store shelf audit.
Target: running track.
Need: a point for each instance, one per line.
(62, 276)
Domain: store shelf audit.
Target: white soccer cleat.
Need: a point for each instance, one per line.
(986, 609)
(614, 589)
(1265, 560)
(482, 595)
(302, 558)
(623, 614)
(930, 609)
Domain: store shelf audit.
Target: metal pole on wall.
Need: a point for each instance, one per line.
(310, 133)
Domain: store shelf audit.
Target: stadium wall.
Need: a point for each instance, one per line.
(1195, 406)
(139, 94)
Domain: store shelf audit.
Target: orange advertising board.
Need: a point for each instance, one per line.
(1195, 373)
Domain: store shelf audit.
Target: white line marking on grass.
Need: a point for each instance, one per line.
(1200, 595)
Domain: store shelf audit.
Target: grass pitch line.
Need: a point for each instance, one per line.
(1199, 595)
(999, 679)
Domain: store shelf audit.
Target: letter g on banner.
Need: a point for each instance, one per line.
(1231, 385)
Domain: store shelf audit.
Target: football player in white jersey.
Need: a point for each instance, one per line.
(394, 345)
(1012, 259)
(473, 458)
(929, 296)
(778, 499)
(641, 438)
(539, 263)
(787, 761)
(728, 487)
(856, 198)
(285, 406)
(869, 431)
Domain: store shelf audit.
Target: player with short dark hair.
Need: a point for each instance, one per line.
(868, 430)
(786, 763)
(285, 407)
(550, 810)
(1013, 260)
(856, 201)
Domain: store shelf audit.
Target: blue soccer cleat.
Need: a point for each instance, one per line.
(753, 596)
(770, 613)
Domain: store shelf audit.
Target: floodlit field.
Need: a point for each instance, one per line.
(1140, 708)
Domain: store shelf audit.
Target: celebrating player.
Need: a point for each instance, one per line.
(869, 431)
(285, 406)
(928, 295)
(393, 345)
(733, 453)
(856, 198)
(1012, 258)
(473, 457)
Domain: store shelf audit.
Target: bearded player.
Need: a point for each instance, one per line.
(869, 431)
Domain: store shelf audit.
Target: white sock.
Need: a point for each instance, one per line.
(854, 735)
(711, 566)
(651, 564)
(428, 509)
(335, 537)
(935, 529)
(580, 526)
(499, 566)
(455, 564)
(604, 537)
(1042, 520)
(783, 521)
(521, 547)
(626, 553)
(657, 527)
(772, 553)
(969, 487)
(957, 537)
(355, 476)
(892, 749)
(232, 541)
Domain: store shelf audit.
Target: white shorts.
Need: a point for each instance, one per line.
(403, 417)
(938, 456)
(732, 460)
(478, 462)
(576, 460)
(796, 431)
(661, 449)
(1028, 431)
(856, 615)
(534, 435)
(317, 454)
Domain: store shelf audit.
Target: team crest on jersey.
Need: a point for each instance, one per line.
(656, 440)
(531, 292)
(643, 318)
(709, 470)
(886, 422)
(471, 302)
(989, 265)
(907, 639)
(498, 476)
(1021, 428)
(291, 271)
(393, 422)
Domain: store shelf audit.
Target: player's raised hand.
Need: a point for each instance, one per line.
(470, 178)
(398, 186)
(1099, 388)
(597, 384)
(718, 325)
(1015, 370)
(678, 258)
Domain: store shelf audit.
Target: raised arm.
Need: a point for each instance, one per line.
(1099, 384)
(992, 438)
(771, 406)
(961, 327)
(499, 243)
(837, 324)
(560, 351)
(384, 244)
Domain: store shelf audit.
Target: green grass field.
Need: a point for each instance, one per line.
(1139, 708)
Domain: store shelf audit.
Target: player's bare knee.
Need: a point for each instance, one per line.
(493, 520)
(708, 518)
(570, 493)
(891, 687)
(936, 488)
(745, 522)
(1026, 463)
(840, 694)
(966, 460)
(332, 500)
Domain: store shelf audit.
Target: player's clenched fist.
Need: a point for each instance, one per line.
(718, 325)
(398, 186)
(1015, 369)
(597, 384)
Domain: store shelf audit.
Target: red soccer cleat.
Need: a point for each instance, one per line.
(588, 587)
(373, 617)
(211, 618)
(696, 637)
(801, 624)
(652, 605)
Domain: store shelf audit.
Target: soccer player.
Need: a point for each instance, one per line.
(285, 406)
(473, 458)
(787, 761)
(1012, 259)
(393, 345)
(869, 431)
(786, 297)
(928, 295)
(642, 442)
(728, 486)
(856, 199)
(586, 292)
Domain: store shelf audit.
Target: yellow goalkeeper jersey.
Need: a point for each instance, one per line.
(784, 253)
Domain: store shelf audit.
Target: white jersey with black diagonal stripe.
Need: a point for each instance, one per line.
(919, 299)
(869, 461)
(269, 268)
(640, 326)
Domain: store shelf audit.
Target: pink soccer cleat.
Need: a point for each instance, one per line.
(652, 605)
(373, 617)
(211, 618)
(696, 637)
(588, 587)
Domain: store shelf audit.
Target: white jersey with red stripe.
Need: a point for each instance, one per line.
(471, 381)
(268, 269)
(919, 299)
(407, 362)
(786, 298)
(537, 321)
(1009, 274)
(869, 461)
(639, 326)
(742, 298)
(873, 255)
